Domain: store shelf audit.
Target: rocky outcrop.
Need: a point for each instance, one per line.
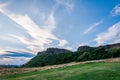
(84, 48)
(54, 51)
(107, 47)
(113, 46)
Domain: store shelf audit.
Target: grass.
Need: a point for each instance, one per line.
(88, 71)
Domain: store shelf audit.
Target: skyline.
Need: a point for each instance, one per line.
(28, 27)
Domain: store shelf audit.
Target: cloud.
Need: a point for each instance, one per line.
(69, 48)
(36, 38)
(92, 27)
(117, 41)
(62, 43)
(50, 23)
(2, 51)
(18, 57)
(2, 6)
(82, 44)
(14, 60)
(40, 37)
(112, 34)
(69, 5)
(116, 10)
(17, 54)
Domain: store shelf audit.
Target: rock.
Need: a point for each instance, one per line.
(113, 46)
(83, 48)
(54, 51)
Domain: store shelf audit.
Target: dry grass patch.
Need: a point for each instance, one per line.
(4, 71)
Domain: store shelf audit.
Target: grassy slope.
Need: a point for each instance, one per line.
(88, 71)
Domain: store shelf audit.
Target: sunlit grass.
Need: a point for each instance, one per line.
(89, 71)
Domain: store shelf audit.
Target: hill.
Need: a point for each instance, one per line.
(54, 56)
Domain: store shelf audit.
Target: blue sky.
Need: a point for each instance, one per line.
(29, 26)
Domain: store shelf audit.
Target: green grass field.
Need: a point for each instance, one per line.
(88, 71)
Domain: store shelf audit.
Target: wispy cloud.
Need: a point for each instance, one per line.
(2, 51)
(69, 48)
(83, 44)
(116, 10)
(112, 34)
(14, 60)
(69, 5)
(89, 29)
(50, 23)
(2, 6)
(40, 37)
(17, 54)
(62, 43)
(117, 41)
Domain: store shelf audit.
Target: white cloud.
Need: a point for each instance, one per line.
(92, 27)
(2, 6)
(116, 10)
(69, 48)
(50, 23)
(112, 34)
(40, 37)
(82, 44)
(62, 43)
(14, 60)
(117, 41)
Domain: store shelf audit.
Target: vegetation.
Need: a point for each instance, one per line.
(88, 71)
(83, 55)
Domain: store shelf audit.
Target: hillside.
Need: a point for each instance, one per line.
(5, 71)
(54, 56)
(108, 69)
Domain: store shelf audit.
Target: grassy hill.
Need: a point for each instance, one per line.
(108, 70)
(53, 56)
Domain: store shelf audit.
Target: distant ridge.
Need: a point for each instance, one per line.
(54, 56)
(54, 51)
(112, 46)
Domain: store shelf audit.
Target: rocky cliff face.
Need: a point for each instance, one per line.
(116, 46)
(54, 51)
(110, 46)
(83, 48)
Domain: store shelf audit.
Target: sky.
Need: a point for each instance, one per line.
(31, 26)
